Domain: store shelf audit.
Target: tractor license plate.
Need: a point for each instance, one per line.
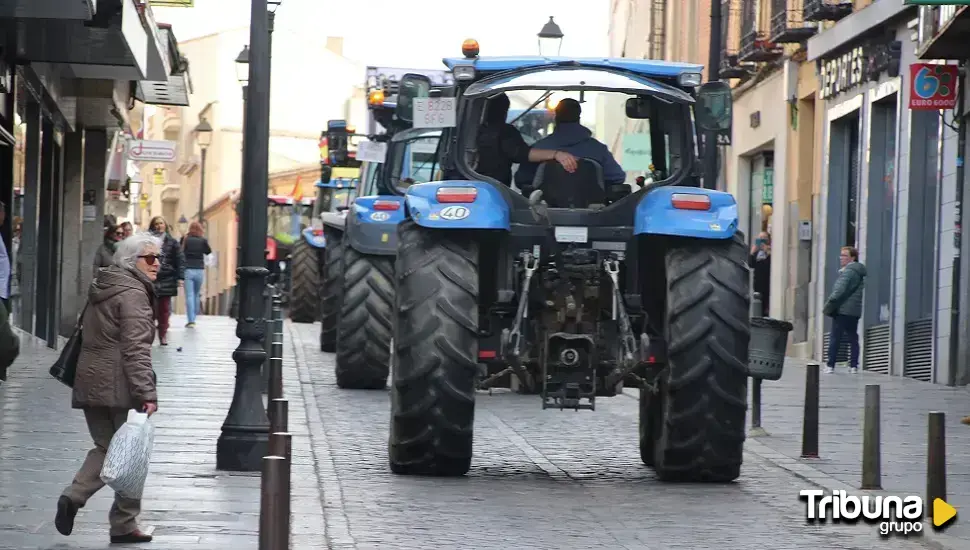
(572, 234)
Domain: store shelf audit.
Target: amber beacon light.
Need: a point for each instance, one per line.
(469, 48)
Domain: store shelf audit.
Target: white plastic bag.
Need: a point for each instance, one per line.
(126, 464)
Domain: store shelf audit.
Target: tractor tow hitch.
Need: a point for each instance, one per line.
(511, 345)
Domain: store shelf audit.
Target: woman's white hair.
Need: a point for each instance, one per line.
(128, 250)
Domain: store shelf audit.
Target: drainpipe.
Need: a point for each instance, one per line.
(957, 237)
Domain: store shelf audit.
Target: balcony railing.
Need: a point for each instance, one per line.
(731, 40)
(756, 46)
(826, 10)
(787, 24)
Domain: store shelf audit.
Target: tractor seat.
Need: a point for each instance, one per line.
(580, 189)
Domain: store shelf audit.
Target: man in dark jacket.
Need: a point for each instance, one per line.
(574, 138)
(844, 305)
(500, 145)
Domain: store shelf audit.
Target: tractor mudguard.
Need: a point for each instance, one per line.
(315, 241)
(485, 207)
(656, 214)
(372, 224)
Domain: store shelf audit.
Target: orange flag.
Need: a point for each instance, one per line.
(297, 192)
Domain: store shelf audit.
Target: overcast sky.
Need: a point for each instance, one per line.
(413, 33)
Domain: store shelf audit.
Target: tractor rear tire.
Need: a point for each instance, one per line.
(330, 294)
(435, 367)
(304, 283)
(364, 327)
(699, 435)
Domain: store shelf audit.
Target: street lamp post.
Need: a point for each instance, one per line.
(550, 37)
(203, 136)
(245, 432)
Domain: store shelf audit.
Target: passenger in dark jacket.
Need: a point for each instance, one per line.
(500, 145)
(9, 344)
(194, 247)
(171, 275)
(113, 234)
(574, 138)
(844, 305)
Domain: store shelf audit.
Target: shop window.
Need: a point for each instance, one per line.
(880, 213)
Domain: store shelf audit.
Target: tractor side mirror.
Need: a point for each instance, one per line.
(325, 173)
(410, 87)
(712, 112)
(638, 108)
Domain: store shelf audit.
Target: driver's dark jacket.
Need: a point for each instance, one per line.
(499, 147)
(576, 139)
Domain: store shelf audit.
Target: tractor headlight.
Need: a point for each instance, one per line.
(282, 266)
(689, 80)
(464, 72)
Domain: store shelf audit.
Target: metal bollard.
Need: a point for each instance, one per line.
(279, 415)
(270, 500)
(274, 378)
(871, 441)
(756, 429)
(281, 444)
(267, 335)
(810, 416)
(935, 461)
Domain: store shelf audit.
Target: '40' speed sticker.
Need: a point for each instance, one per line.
(454, 213)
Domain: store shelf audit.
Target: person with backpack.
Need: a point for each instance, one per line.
(844, 306)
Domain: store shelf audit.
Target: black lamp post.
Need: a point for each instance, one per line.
(203, 136)
(245, 432)
(550, 39)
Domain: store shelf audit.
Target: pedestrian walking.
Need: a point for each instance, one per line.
(760, 263)
(5, 265)
(114, 374)
(171, 275)
(844, 306)
(194, 248)
(104, 257)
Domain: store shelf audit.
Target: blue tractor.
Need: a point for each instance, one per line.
(358, 262)
(581, 281)
(339, 178)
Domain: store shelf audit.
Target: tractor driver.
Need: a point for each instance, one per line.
(500, 145)
(574, 138)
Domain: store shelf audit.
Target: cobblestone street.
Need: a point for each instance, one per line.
(539, 480)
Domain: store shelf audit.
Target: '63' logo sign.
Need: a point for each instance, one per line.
(434, 112)
(933, 87)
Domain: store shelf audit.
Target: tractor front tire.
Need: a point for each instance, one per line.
(435, 328)
(330, 294)
(304, 283)
(364, 326)
(700, 431)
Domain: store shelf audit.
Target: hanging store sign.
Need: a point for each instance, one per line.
(148, 150)
(863, 63)
(172, 3)
(933, 87)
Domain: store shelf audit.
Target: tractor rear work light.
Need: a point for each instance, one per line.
(456, 194)
(317, 232)
(386, 205)
(376, 97)
(690, 201)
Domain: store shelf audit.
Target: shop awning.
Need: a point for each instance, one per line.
(949, 41)
(42, 9)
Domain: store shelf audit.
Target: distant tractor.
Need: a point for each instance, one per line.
(336, 189)
(286, 218)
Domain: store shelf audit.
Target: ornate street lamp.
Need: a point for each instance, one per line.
(245, 432)
(550, 39)
(203, 136)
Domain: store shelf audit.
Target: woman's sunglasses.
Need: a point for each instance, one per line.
(150, 259)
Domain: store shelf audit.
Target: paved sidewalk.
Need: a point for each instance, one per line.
(904, 407)
(188, 502)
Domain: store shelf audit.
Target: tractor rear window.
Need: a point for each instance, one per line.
(414, 160)
(643, 136)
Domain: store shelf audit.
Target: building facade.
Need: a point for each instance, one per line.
(60, 109)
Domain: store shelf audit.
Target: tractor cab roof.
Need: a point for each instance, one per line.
(643, 67)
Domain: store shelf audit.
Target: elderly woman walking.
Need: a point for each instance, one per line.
(171, 275)
(114, 374)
